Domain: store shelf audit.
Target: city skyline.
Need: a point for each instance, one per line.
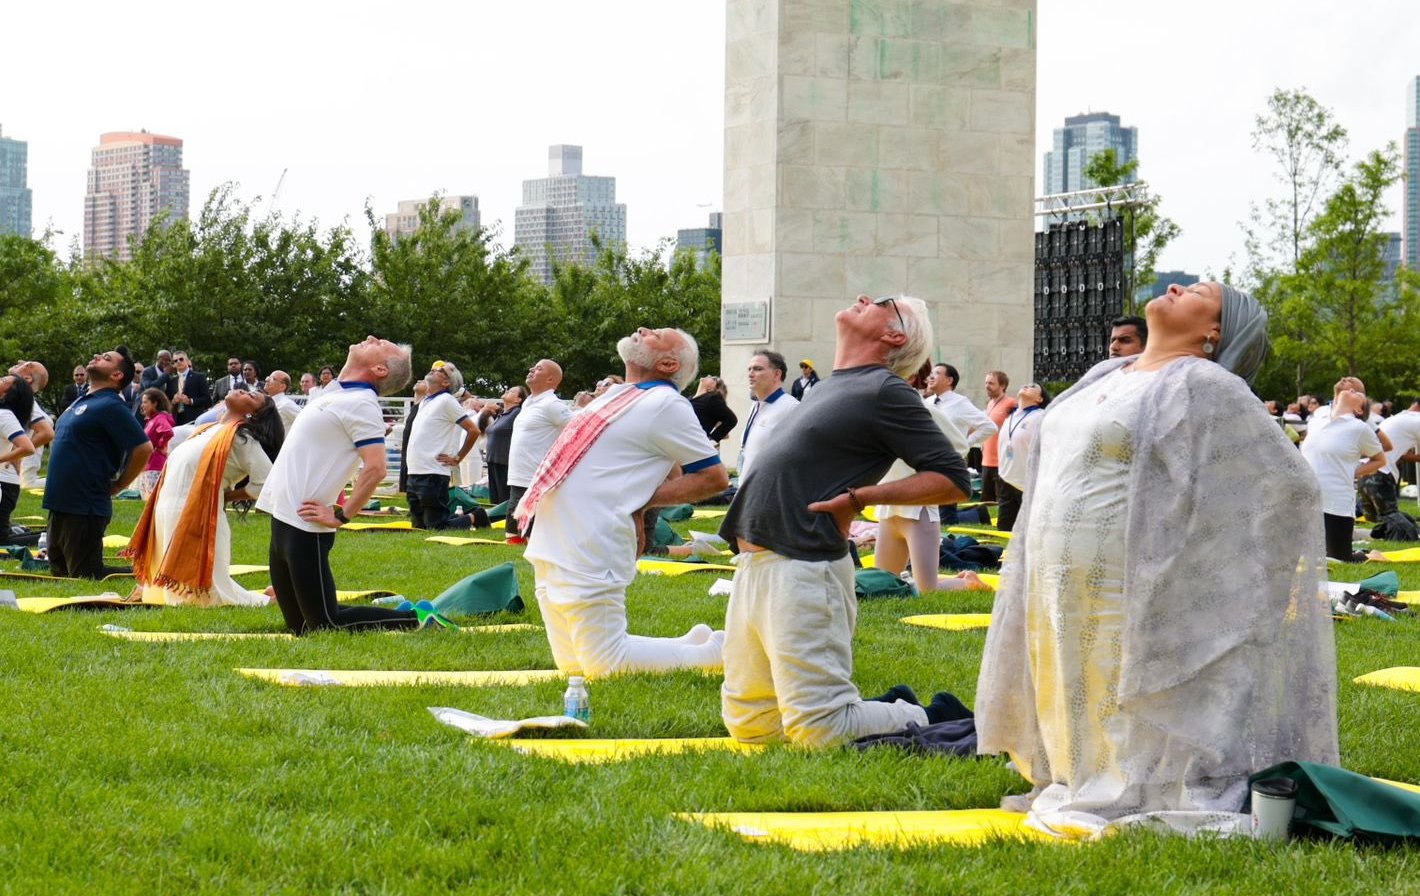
(651, 108)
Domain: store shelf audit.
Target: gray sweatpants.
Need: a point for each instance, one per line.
(789, 656)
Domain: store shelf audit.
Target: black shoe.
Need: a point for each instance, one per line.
(895, 693)
(946, 708)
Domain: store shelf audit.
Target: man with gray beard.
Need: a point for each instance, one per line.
(617, 457)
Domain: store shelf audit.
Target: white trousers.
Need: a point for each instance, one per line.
(920, 540)
(789, 656)
(586, 629)
(29, 470)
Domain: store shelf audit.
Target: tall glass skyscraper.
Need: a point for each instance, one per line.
(1412, 174)
(1082, 137)
(135, 178)
(560, 213)
(15, 195)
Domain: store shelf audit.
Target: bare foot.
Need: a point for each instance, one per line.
(973, 581)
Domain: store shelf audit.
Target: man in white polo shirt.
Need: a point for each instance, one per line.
(278, 385)
(442, 436)
(539, 424)
(610, 463)
(766, 371)
(335, 433)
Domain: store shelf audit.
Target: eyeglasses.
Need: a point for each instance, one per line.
(885, 300)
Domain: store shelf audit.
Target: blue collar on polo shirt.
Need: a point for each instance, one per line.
(774, 396)
(355, 385)
(651, 384)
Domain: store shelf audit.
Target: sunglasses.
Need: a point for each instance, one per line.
(892, 300)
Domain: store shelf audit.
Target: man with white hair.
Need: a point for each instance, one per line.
(442, 436)
(539, 424)
(41, 425)
(612, 461)
(278, 385)
(336, 432)
(789, 625)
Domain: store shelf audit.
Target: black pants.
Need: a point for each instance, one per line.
(305, 590)
(1339, 530)
(76, 546)
(990, 483)
(515, 497)
(1010, 501)
(497, 482)
(428, 495)
(9, 499)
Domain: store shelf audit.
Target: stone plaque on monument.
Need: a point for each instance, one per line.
(744, 322)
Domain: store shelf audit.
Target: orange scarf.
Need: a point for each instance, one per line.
(186, 565)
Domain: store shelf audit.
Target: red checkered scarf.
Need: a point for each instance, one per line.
(571, 446)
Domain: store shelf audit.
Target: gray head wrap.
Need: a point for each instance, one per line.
(1242, 343)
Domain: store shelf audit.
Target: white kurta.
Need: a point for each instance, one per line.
(1075, 608)
(246, 460)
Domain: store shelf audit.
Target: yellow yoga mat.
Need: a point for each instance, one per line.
(1408, 597)
(286, 636)
(499, 524)
(458, 541)
(585, 750)
(979, 531)
(348, 596)
(1400, 678)
(246, 569)
(952, 622)
(115, 541)
(93, 602)
(708, 513)
(37, 492)
(46, 577)
(869, 561)
(391, 526)
(675, 568)
(357, 678)
(870, 513)
(28, 519)
(1405, 555)
(823, 831)
(200, 636)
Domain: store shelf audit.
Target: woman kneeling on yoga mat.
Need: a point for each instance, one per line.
(1159, 632)
(182, 546)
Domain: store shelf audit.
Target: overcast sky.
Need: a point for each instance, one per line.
(361, 101)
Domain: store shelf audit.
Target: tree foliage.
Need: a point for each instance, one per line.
(1146, 231)
(287, 293)
(1308, 148)
(1336, 314)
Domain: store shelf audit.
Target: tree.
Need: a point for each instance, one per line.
(452, 294)
(1146, 232)
(1354, 318)
(1309, 148)
(597, 306)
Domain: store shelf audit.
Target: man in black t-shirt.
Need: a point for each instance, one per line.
(789, 626)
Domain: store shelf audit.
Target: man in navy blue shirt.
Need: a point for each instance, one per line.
(99, 448)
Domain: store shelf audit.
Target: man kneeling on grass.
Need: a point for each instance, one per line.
(789, 626)
(338, 431)
(609, 464)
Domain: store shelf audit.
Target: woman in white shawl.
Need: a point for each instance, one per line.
(1159, 633)
(187, 479)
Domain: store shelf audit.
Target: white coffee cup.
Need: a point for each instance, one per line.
(1274, 800)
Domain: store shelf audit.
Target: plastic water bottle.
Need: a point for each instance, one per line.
(576, 702)
(43, 544)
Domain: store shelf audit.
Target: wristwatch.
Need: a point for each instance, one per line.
(340, 514)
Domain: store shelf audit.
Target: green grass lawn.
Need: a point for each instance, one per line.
(133, 767)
